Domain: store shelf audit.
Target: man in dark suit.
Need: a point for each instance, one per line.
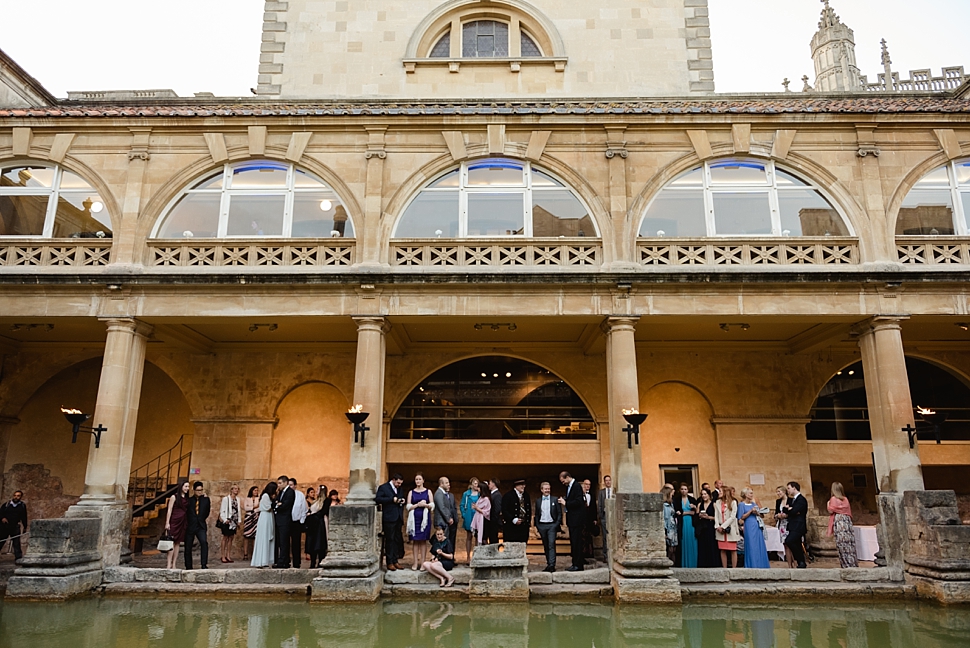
(575, 505)
(795, 512)
(198, 513)
(592, 528)
(391, 500)
(446, 510)
(13, 523)
(495, 518)
(516, 513)
(284, 522)
(605, 494)
(548, 521)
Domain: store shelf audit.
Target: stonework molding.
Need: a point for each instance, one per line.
(537, 144)
(456, 144)
(701, 143)
(216, 142)
(948, 140)
(271, 48)
(297, 146)
(60, 146)
(782, 143)
(700, 56)
(21, 140)
(257, 140)
(864, 151)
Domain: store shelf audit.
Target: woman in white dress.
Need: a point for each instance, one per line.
(264, 550)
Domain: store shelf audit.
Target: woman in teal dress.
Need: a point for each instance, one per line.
(755, 552)
(468, 513)
(685, 508)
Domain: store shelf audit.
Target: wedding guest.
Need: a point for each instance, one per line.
(707, 551)
(446, 510)
(592, 528)
(840, 525)
(420, 508)
(298, 515)
(605, 494)
(795, 512)
(726, 527)
(229, 518)
(251, 506)
(781, 521)
(13, 523)
(391, 502)
(685, 509)
(264, 548)
(334, 498)
(495, 519)
(285, 499)
(749, 514)
(176, 521)
(574, 504)
(199, 508)
(517, 511)
(670, 523)
(316, 531)
(442, 558)
(468, 498)
(480, 521)
(548, 522)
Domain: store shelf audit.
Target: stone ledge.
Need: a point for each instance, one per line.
(745, 574)
(201, 590)
(812, 591)
(571, 592)
(425, 592)
(874, 575)
(588, 576)
(816, 575)
(462, 576)
(701, 575)
(540, 578)
(52, 588)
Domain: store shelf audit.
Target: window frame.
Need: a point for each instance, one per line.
(960, 217)
(53, 194)
(227, 192)
(770, 187)
(526, 189)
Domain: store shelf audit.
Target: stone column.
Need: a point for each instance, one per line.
(106, 480)
(621, 370)
(365, 463)
(622, 252)
(898, 466)
(368, 232)
(125, 248)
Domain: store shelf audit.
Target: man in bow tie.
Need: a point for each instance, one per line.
(548, 521)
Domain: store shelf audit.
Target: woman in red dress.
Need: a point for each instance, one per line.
(176, 521)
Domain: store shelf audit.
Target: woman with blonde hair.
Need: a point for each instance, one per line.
(670, 524)
(840, 525)
(726, 527)
(749, 512)
(468, 500)
(230, 519)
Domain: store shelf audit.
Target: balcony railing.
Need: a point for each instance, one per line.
(573, 253)
(933, 250)
(55, 252)
(827, 251)
(262, 253)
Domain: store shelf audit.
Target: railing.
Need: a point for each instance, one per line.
(573, 252)
(933, 250)
(262, 253)
(56, 252)
(151, 483)
(918, 81)
(767, 252)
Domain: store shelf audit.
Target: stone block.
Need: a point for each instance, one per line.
(158, 576)
(254, 576)
(204, 577)
(857, 575)
(930, 499)
(815, 575)
(701, 575)
(64, 536)
(647, 590)
(540, 578)
(347, 589)
(588, 576)
(506, 589)
(119, 575)
(410, 577)
(47, 588)
(507, 553)
(759, 574)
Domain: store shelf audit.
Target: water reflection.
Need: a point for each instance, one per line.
(393, 624)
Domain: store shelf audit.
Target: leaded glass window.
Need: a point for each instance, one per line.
(529, 47)
(485, 39)
(442, 48)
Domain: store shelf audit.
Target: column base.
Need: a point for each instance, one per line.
(938, 549)
(641, 569)
(500, 572)
(330, 589)
(62, 560)
(115, 518)
(647, 590)
(351, 571)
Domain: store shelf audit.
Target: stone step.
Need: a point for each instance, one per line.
(424, 591)
(588, 577)
(241, 576)
(570, 592)
(796, 590)
(410, 577)
(195, 590)
(857, 575)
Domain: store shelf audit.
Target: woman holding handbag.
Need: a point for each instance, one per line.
(229, 519)
(177, 521)
(726, 527)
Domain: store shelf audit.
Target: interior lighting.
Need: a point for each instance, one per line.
(494, 375)
(964, 325)
(508, 374)
(97, 207)
(325, 205)
(484, 375)
(852, 373)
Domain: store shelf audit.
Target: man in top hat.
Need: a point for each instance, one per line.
(517, 513)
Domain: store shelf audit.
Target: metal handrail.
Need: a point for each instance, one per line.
(152, 482)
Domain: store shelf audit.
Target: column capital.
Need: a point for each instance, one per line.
(880, 323)
(129, 324)
(372, 323)
(615, 323)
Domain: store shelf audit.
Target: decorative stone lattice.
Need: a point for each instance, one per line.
(806, 252)
(261, 254)
(56, 253)
(419, 253)
(936, 252)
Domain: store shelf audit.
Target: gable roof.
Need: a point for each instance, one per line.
(16, 86)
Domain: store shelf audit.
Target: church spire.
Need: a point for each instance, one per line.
(833, 50)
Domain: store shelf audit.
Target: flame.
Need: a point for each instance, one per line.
(356, 409)
(631, 411)
(71, 411)
(923, 411)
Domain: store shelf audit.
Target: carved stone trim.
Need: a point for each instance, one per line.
(612, 152)
(864, 151)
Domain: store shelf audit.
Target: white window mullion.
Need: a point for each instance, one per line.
(223, 215)
(52, 203)
(288, 202)
(959, 215)
(709, 202)
(463, 201)
(527, 230)
(773, 200)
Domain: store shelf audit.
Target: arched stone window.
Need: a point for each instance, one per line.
(493, 397)
(495, 197)
(939, 204)
(50, 201)
(257, 198)
(740, 197)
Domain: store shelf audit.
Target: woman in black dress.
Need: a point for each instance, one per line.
(442, 558)
(707, 552)
(316, 529)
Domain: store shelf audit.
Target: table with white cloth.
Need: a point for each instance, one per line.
(773, 540)
(866, 543)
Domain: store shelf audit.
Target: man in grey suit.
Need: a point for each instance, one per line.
(445, 510)
(606, 493)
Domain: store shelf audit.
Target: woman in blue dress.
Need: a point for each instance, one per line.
(685, 508)
(420, 507)
(755, 552)
(468, 513)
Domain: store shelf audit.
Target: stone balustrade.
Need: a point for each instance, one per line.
(827, 251)
(918, 81)
(199, 253)
(571, 253)
(76, 253)
(933, 250)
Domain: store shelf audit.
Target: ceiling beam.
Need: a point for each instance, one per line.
(818, 337)
(179, 335)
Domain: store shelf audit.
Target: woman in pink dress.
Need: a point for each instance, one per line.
(483, 511)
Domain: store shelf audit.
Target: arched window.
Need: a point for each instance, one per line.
(257, 199)
(939, 204)
(740, 198)
(493, 397)
(49, 201)
(487, 39)
(495, 197)
(841, 410)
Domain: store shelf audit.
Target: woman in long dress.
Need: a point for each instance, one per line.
(177, 521)
(670, 524)
(468, 513)
(264, 550)
(706, 541)
(749, 512)
(840, 525)
(316, 533)
(483, 511)
(781, 520)
(251, 505)
(685, 509)
(420, 507)
(726, 527)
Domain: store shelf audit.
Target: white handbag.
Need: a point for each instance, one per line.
(165, 543)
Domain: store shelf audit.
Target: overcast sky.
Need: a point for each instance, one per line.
(213, 45)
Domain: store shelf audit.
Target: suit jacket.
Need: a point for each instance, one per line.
(510, 508)
(555, 510)
(284, 507)
(496, 499)
(575, 505)
(205, 506)
(14, 515)
(444, 508)
(391, 513)
(592, 516)
(797, 510)
(601, 505)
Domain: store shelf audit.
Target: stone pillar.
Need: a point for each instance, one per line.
(125, 248)
(368, 232)
(641, 569)
(897, 466)
(623, 251)
(106, 480)
(621, 371)
(365, 463)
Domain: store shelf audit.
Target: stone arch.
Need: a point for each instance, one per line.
(678, 431)
(906, 185)
(311, 436)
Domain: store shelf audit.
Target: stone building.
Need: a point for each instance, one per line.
(495, 225)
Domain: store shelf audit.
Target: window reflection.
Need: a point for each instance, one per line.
(939, 204)
(494, 214)
(50, 202)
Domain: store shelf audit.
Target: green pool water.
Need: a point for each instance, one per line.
(251, 624)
